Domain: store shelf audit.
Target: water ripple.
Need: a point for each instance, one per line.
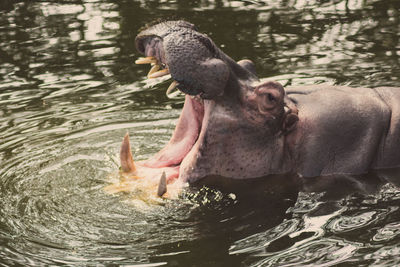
(387, 233)
(325, 252)
(69, 91)
(356, 220)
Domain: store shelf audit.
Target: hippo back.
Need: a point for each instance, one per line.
(346, 130)
(388, 155)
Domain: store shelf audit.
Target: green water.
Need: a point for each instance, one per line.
(69, 91)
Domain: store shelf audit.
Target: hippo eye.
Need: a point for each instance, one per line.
(271, 97)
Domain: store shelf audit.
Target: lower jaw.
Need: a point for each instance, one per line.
(189, 169)
(171, 172)
(176, 164)
(185, 170)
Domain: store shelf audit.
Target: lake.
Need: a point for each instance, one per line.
(69, 91)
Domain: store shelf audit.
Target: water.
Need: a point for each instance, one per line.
(69, 91)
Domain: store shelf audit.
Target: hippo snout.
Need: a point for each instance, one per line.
(196, 64)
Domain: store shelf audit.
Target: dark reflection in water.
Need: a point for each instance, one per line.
(69, 91)
(254, 206)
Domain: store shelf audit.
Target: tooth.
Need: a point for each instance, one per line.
(162, 186)
(125, 154)
(146, 60)
(159, 73)
(153, 69)
(286, 109)
(171, 87)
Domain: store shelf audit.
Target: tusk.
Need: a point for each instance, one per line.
(171, 87)
(159, 73)
(162, 186)
(153, 69)
(146, 60)
(125, 155)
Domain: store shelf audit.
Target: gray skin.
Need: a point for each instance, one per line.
(252, 129)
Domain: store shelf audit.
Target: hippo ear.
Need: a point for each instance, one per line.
(291, 117)
(290, 122)
(270, 98)
(248, 65)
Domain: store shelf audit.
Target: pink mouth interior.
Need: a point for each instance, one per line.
(184, 137)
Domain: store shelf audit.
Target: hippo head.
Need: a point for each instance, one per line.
(231, 125)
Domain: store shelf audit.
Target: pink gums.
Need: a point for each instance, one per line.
(184, 137)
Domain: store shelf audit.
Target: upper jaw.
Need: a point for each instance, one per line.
(160, 30)
(196, 64)
(190, 57)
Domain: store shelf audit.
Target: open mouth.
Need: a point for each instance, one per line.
(175, 48)
(177, 158)
(185, 137)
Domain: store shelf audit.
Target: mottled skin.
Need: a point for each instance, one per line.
(192, 58)
(248, 129)
(346, 130)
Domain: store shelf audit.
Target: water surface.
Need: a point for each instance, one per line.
(69, 91)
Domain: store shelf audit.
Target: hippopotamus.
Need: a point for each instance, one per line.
(234, 126)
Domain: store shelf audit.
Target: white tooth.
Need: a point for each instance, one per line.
(127, 163)
(196, 97)
(159, 73)
(162, 186)
(146, 60)
(153, 69)
(171, 87)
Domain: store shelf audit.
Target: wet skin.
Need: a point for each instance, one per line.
(235, 127)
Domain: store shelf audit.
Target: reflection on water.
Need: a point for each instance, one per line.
(69, 91)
